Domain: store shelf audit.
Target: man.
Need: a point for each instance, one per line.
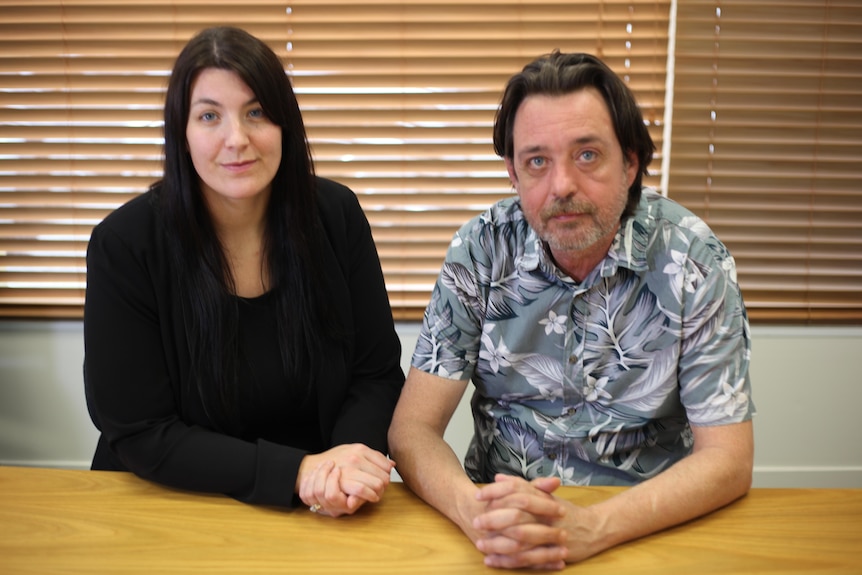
(603, 330)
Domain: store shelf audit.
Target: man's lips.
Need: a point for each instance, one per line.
(566, 216)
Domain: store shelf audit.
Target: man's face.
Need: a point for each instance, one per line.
(569, 171)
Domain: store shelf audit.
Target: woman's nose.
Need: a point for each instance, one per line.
(237, 134)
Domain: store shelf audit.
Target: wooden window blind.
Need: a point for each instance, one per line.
(767, 144)
(398, 98)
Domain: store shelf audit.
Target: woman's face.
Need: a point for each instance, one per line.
(235, 149)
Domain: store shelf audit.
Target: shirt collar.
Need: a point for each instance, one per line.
(628, 250)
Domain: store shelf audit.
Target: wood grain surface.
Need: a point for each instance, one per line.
(85, 522)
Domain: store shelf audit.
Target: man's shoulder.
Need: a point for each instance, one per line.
(680, 229)
(503, 214)
(656, 212)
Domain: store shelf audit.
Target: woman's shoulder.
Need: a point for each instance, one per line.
(134, 221)
(332, 193)
(135, 211)
(336, 202)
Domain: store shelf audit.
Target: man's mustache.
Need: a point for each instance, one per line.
(564, 207)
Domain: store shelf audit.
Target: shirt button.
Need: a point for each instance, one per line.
(552, 456)
(573, 359)
(571, 410)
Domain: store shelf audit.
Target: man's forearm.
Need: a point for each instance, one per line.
(431, 469)
(702, 482)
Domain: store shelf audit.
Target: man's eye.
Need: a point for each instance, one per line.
(536, 162)
(588, 156)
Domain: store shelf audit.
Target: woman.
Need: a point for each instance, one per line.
(238, 334)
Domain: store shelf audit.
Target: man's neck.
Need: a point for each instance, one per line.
(577, 264)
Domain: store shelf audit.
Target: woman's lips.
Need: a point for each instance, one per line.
(238, 166)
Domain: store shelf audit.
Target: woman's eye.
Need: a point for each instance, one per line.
(257, 113)
(208, 116)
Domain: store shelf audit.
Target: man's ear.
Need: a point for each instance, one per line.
(632, 168)
(510, 168)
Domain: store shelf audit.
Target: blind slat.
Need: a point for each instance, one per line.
(766, 142)
(399, 100)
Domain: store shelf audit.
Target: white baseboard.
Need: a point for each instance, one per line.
(764, 475)
(46, 463)
(815, 476)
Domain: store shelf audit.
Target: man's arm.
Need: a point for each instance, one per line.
(431, 469)
(716, 473)
(424, 460)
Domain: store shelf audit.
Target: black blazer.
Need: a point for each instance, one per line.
(137, 361)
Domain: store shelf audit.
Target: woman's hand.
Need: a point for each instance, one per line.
(342, 479)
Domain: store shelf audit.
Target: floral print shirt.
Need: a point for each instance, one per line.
(594, 382)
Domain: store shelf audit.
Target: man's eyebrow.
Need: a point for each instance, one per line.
(529, 150)
(589, 139)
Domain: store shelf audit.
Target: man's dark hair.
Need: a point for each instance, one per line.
(557, 74)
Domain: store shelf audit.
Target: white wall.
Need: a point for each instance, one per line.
(806, 383)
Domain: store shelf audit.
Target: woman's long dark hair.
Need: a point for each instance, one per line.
(292, 239)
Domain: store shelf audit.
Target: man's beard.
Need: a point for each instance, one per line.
(589, 228)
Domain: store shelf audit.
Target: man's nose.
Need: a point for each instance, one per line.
(564, 180)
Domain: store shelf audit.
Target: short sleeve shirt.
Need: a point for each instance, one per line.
(594, 382)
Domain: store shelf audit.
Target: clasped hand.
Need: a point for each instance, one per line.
(521, 525)
(344, 478)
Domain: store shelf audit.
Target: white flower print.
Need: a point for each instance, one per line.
(601, 377)
(730, 399)
(554, 323)
(696, 225)
(566, 474)
(729, 265)
(496, 357)
(595, 388)
(677, 268)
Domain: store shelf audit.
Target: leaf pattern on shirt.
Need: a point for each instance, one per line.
(543, 373)
(595, 381)
(436, 350)
(506, 286)
(459, 279)
(515, 447)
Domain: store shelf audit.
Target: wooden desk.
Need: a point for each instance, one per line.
(63, 521)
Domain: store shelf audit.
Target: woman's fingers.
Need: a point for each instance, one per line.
(342, 479)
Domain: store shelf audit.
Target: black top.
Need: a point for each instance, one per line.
(137, 363)
(272, 407)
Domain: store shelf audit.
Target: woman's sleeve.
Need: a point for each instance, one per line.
(133, 394)
(376, 377)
